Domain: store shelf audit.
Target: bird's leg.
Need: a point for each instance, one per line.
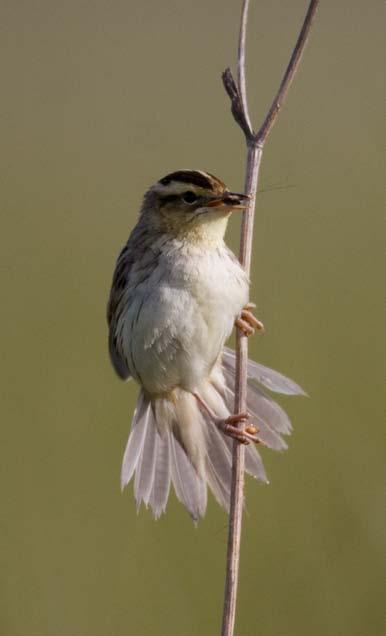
(248, 322)
(227, 425)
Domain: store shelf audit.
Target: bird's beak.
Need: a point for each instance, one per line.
(230, 200)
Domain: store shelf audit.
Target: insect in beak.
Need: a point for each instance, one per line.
(233, 200)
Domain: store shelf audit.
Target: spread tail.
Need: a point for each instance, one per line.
(173, 441)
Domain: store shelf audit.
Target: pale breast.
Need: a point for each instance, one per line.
(179, 318)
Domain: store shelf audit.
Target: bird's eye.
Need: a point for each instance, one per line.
(189, 197)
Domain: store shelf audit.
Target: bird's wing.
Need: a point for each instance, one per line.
(114, 308)
(135, 263)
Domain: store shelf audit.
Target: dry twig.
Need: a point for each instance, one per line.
(255, 143)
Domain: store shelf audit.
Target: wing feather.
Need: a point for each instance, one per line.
(136, 262)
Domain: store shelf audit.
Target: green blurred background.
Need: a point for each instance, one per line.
(99, 100)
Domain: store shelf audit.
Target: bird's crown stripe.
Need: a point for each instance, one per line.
(193, 177)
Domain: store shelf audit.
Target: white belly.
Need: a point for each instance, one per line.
(177, 321)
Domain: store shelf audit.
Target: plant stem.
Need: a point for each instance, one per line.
(238, 455)
(255, 143)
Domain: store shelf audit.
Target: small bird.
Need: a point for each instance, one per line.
(177, 292)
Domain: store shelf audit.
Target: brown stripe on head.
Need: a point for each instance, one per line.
(194, 177)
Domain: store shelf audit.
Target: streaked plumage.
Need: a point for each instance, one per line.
(177, 290)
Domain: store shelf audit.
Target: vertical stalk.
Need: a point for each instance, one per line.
(237, 93)
(238, 455)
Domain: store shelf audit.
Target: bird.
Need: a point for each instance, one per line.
(177, 293)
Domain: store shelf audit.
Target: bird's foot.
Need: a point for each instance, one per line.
(247, 321)
(245, 436)
(229, 425)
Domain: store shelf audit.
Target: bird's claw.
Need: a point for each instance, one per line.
(227, 425)
(247, 321)
(244, 436)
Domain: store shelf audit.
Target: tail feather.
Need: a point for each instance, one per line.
(220, 490)
(219, 395)
(144, 474)
(270, 411)
(262, 404)
(173, 441)
(253, 463)
(270, 417)
(162, 474)
(269, 378)
(219, 463)
(190, 488)
(135, 444)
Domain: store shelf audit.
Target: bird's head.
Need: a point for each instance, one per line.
(191, 203)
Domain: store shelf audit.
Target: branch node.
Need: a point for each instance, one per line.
(237, 107)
